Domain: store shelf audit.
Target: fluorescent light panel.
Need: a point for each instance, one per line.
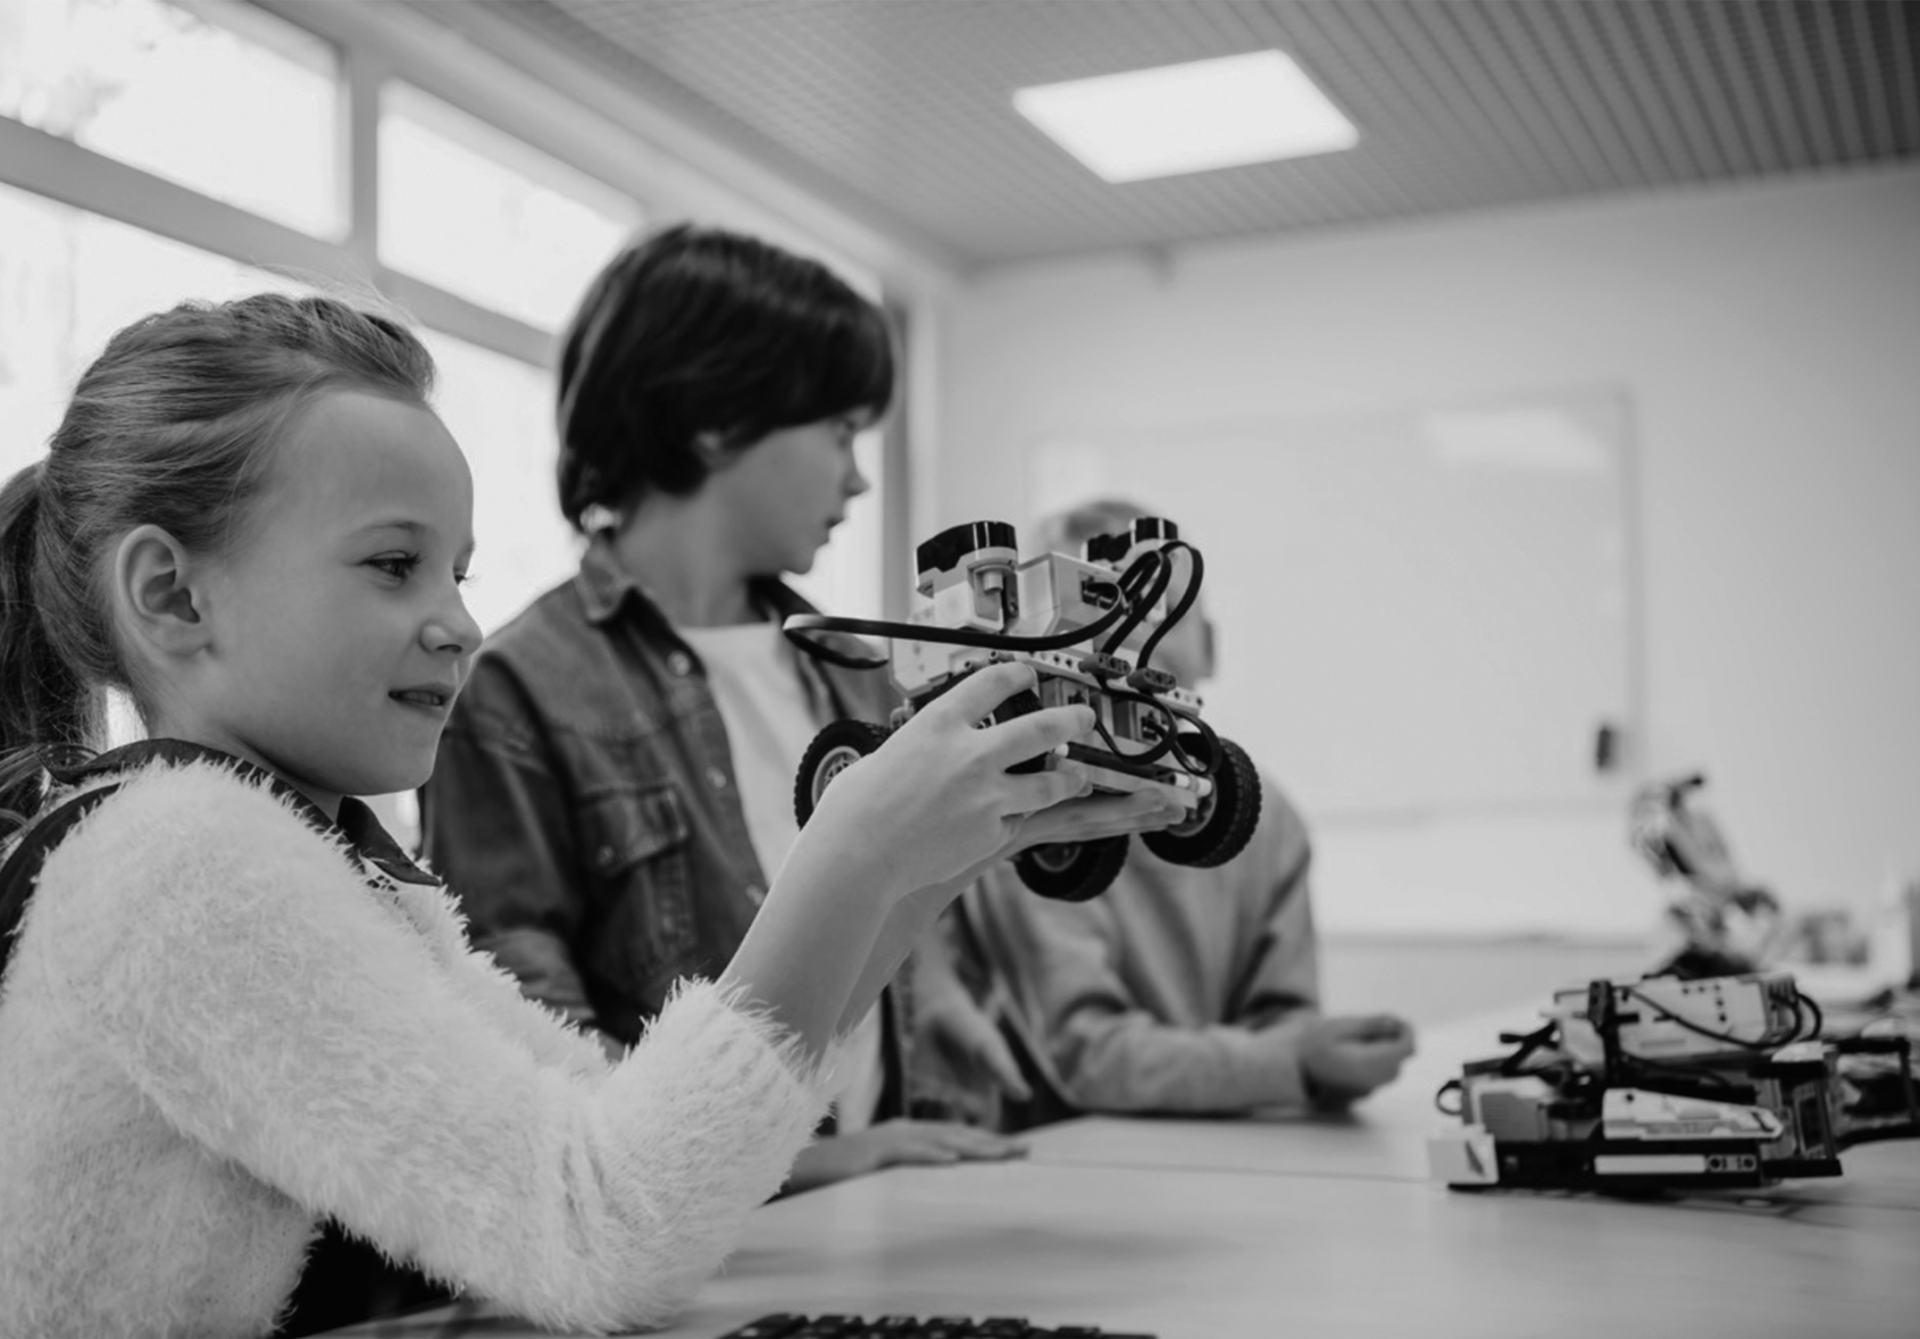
(1189, 118)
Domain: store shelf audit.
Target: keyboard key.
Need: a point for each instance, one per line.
(792, 1325)
(776, 1326)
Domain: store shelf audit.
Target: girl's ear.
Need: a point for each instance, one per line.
(154, 595)
(711, 448)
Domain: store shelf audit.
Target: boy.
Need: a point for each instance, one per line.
(1179, 989)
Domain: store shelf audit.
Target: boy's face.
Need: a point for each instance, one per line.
(1187, 650)
(785, 493)
(338, 637)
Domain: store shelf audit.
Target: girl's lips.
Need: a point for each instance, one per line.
(424, 699)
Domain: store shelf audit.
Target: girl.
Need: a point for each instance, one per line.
(616, 786)
(232, 1010)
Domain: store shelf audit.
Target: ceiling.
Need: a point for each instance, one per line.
(899, 111)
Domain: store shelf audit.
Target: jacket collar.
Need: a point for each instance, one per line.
(356, 823)
(605, 587)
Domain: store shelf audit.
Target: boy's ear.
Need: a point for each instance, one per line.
(154, 593)
(711, 448)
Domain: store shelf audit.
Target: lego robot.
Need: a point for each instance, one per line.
(1088, 627)
(1725, 923)
(1668, 1084)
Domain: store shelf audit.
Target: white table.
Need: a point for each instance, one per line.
(1258, 1229)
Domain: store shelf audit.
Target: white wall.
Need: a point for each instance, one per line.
(1770, 338)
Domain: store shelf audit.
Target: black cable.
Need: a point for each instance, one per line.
(1813, 1006)
(1682, 1074)
(797, 626)
(1157, 573)
(1215, 754)
(1153, 752)
(1187, 597)
(1136, 591)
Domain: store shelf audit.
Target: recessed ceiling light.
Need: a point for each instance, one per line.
(1189, 118)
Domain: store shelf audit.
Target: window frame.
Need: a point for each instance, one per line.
(376, 46)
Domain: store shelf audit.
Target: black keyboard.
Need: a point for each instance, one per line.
(785, 1326)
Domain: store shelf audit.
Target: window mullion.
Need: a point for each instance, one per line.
(434, 306)
(362, 74)
(64, 171)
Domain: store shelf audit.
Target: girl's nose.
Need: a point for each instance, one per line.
(452, 631)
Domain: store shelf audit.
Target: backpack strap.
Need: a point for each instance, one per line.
(21, 872)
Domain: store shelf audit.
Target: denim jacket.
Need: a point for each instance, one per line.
(584, 806)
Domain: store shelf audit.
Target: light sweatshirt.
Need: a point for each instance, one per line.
(1177, 989)
(220, 1026)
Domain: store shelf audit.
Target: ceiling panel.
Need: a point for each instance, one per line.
(900, 110)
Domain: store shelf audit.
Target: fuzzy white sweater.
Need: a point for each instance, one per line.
(217, 1028)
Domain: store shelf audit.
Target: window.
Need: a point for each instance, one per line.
(501, 412)
(68, 280)
(487, 238)
(245, 111)
(481, 214)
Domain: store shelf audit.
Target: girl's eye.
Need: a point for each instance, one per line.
(399, 566)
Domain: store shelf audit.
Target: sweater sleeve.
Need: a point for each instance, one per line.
(548, 1034)
(282, 1016)
(1279, 986)
(1110, 1050)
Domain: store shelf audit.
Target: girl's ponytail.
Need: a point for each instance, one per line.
(42, 701)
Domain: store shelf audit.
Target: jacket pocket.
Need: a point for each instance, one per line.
(637, 848)
(624, 827)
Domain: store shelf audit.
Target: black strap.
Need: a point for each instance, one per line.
(22, 870)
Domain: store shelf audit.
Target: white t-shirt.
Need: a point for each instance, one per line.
(769, 717)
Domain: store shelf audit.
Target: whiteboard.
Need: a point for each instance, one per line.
(1421, 611)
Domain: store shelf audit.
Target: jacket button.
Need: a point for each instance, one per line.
(716, 778)
(604, 856)
(756, 894)
(679, 664)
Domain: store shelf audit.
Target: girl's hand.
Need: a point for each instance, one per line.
(936, 801)
(897, 1143)
(896, 836)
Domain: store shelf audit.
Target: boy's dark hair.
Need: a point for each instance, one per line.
(169, 426)
(695, 330)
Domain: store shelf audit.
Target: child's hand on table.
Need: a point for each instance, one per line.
(1345, 1058)
(898, 1143)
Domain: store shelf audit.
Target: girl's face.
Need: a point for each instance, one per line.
(338, 637)
(784, 493)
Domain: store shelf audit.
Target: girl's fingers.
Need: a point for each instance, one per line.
(1099, 816)
(1038, 732)
(1034, 791)
(975, 697)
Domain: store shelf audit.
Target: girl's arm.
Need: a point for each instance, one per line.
(899, 834)
(288, 1020)
(1085, 819)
